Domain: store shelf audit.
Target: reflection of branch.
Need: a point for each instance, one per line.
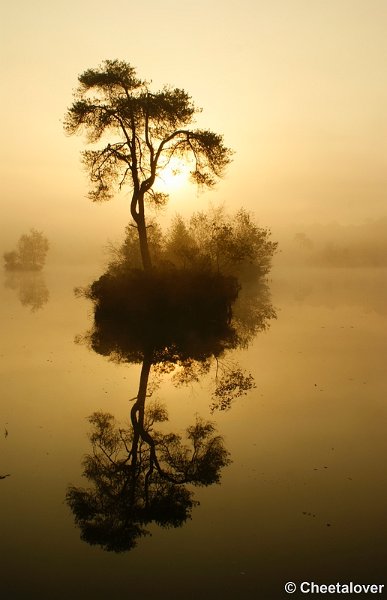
(105, 453)
(125, 446)
(231, 385)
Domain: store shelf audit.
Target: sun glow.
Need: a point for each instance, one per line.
(173, 176)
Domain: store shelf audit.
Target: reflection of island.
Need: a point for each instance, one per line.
(172, 321)
(30, 286)
(180, 321)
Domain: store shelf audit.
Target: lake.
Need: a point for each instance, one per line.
(304, 498)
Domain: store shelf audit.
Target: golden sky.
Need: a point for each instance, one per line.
(298, 88)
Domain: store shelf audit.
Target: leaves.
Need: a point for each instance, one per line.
(226, 243)
(110, 75)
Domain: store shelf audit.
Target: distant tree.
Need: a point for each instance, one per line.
(11, 262)
(30, 255)
(182, 248)
(303, 241)
(140, 131)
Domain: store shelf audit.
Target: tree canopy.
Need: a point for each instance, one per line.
(138, 131)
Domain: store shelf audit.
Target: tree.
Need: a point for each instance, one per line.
(139, 131)
(31, 253)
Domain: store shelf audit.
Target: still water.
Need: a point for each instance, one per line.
(304, 498)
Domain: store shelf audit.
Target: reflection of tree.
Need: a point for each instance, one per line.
(31, 288)
(140, 475)
(173, 322)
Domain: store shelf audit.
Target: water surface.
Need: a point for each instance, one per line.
(304, 497)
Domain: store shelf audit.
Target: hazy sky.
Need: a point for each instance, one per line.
(298, 88)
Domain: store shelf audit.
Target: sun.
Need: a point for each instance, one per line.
(173, 176)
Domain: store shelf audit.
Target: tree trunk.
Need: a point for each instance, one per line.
(138, 214)
(144, 247)
(137, 414)
(138, 408)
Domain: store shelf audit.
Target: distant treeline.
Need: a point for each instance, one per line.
(342, 246)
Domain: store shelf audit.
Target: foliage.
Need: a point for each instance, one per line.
(229, 243)
(232, 244)
(30, 255)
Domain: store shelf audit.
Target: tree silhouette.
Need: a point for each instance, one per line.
(140, 132)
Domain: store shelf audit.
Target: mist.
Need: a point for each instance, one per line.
(335, 245)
